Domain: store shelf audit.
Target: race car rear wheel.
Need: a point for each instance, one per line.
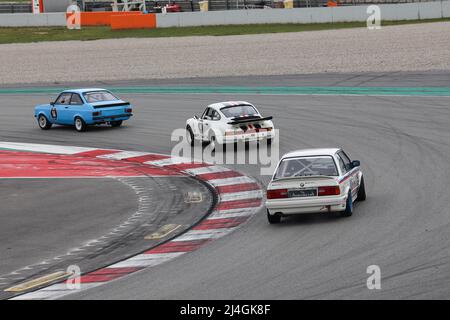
(190, 136)
(43, 122)
(361, 191)
(273, 218)
(80, 125)
(349, 207)
(116, 123)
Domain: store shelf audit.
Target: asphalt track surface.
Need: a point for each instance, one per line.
(403, 227)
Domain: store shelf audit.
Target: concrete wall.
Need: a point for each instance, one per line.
(408, 11)
(32, 20)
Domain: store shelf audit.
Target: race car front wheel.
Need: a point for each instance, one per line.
(361, 191)
(190, 136)
(212, 143)
(44, 124)
(80, 125)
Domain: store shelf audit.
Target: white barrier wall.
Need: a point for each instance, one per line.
(407, 11)
(32, 20)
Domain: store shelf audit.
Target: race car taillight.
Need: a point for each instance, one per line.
(329, 191)
(277, 194)
(269, 129)
(96, 113)
(128, 110)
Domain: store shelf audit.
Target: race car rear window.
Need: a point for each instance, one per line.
(99, 96)
(239, 111)
(306, 166)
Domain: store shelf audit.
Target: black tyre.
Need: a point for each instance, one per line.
(212, 143)
(116, 124)
(273, 218)
(269, 141)
(361, 191)
(190, 136)
(80, 125)
(43, 122)
(349, 207)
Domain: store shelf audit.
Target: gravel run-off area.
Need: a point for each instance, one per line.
(416, 47)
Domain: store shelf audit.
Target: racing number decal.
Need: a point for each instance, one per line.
(54, 113)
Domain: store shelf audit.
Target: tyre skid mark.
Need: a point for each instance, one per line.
(239, 197)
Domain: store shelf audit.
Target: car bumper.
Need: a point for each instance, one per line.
(302, 205)
(103, 119)
(249, 137)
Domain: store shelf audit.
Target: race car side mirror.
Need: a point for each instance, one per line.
(196, 117)
(356, 163)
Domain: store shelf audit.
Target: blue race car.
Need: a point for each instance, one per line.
(83, 107)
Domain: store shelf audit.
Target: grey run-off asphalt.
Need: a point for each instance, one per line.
(403, 144)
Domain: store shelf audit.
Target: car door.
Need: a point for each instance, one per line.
(59, 111)
(75, 107)
(204, 123)
(353, 179)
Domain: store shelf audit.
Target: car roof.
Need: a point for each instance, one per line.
(312, 152)
(84, 90)
(220, 105)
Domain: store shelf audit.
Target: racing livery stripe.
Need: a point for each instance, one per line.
(240, 197)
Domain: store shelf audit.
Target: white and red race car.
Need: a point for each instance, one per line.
(229, 122)
(314, 180)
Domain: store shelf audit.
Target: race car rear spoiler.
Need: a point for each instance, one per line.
(109, 105)
(249, 119)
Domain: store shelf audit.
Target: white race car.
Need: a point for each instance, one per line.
(314, 180)
(228, 122)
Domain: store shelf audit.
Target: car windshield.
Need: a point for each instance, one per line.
(98, 96)
(306, 166)
(239, 111)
